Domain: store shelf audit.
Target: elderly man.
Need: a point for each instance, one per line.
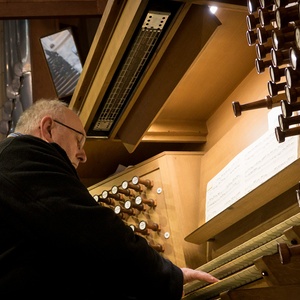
(55, 240)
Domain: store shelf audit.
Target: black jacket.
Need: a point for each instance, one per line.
(55, 240)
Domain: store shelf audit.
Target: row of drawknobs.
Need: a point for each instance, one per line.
(274, 31)
(130, 200)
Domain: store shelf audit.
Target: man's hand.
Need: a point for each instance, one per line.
(191, 275)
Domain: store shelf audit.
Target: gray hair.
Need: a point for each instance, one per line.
(30, 118)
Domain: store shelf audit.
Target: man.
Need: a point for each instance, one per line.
(55, 240)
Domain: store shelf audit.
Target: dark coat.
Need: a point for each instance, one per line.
(56, 240)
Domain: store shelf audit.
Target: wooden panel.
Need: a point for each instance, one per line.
(264, 293)
(50, 8)
(180, 54)
(177, 131)
(263, 194)
(275, 273)
(42, 83)
(96, 52)
(176, 177)
(273, 213)
(293, 234)
(110, 43)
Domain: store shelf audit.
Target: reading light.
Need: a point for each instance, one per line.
(213, 9)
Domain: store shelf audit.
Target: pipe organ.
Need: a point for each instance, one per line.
(253, 245)
(261, 261)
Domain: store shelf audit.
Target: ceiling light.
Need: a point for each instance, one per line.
(213, 9)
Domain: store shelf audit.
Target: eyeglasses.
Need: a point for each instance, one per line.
(81, 142)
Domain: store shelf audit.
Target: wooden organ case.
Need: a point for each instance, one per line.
(157, 199)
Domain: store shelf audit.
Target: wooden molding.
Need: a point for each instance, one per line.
(177, 131)
(51, 8)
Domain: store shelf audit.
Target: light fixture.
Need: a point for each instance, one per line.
(213, 9)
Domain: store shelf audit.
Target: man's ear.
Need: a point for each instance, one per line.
(46, 126)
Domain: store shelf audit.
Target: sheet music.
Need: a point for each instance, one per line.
(250, 168)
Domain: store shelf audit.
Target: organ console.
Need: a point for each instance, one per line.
(264, 266)
(155, 195)
(239, 268)
(245, 265)
(154, 202)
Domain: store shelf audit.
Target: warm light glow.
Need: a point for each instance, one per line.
(213, 9)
